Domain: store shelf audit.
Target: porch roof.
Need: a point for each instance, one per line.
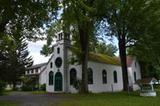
(146, 81)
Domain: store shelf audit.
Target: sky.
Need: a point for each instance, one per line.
(34, 49)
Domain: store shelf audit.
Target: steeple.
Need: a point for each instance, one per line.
(63, 38)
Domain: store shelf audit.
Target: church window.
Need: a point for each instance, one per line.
(135, 77)
(115, 76)
(58, 50)
(90, 76)
(73, 75)
(104, 76)
(58, 62)
(51, 65)
(51, 78)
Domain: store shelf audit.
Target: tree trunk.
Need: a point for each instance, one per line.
(122, 52)
(84, 37)
(84, 86)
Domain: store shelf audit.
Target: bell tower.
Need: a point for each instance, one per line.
(63, 38)
(60, 60)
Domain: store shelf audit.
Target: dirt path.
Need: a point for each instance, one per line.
(29, 99)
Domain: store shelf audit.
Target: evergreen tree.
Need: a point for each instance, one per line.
(19, 60)
(16, 59)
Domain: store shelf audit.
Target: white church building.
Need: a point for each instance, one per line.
(104, 72)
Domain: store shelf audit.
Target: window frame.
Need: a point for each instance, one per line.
(50, 78)
(115, 78)
(73, 76)
(135, 75)
(51, 64)
(58, 50)
(104, 76)
(90, 76)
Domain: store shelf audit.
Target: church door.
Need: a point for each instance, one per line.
(58, 82)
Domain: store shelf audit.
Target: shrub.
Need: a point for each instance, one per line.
(30, 84)
(26, 88)
(43, 87)
(77, 84)
(156, 86)
(2, 86)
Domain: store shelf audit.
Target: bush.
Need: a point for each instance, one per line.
(26, 88)
(77, 83)
(43, 87)
(31, 87)
(156, 86)
(2, 86)
(30, 84)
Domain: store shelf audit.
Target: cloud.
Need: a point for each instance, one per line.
(34, 49)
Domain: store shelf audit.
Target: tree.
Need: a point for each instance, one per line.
(103, 48)
(128, 21)
(147, 51)
(30, 15)
(78, 19)
(21, 20)
(16, 59)
(51, 32)
(81, 16)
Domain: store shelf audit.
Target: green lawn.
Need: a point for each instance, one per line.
(38, 92)
(7, 103)
(6, 92)
(111, 99)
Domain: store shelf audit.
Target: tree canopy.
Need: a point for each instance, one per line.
(27, 15)
(21, 20)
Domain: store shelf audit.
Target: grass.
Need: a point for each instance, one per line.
(38, 92)
(6, 92)
(103, 99)
(7, 103)
(111, 99)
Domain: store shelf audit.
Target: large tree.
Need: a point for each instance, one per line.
(78, 18)
(128, 20)
(148, 52)
(21, 20)
(16, 59)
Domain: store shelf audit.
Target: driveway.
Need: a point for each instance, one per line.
(29, 99)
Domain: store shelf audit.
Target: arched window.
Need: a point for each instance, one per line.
(90, 76)
(135, 77)
(135, 64)
(51, 65)
(73, 76)
(104, 76)
(58, 50)
(115, 76)
(51, 78)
